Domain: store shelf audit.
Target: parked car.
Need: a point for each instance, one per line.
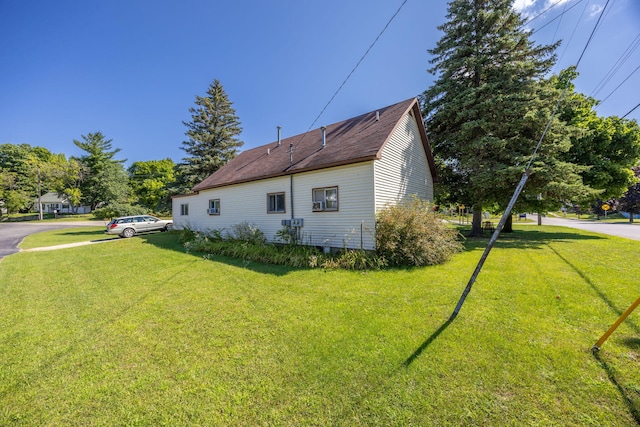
(128, 226)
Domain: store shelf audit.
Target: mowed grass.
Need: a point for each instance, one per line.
(64, 236)
(137, 332)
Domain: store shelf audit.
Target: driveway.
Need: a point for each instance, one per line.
(12, 233)
(620, 229)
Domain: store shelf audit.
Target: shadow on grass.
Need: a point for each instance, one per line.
(624, 393)
(171, 241)
(70, 232)
(427, 343)
(528, 239)
(596, 289)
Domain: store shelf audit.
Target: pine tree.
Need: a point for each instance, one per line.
(106, 180)
(489, 104)
(212, 136)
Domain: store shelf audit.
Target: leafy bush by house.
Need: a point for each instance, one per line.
(248, 243)
(410, 234)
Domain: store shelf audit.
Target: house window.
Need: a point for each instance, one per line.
(184, 209)
(214, 207)
(325, 199)
(275, 203)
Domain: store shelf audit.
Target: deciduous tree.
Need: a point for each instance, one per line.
(150, 182)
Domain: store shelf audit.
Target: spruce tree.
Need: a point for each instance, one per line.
(212, 136)
(106, 179)
(489, 103)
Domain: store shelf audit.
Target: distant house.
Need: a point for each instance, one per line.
(52, 203)
(326, 184)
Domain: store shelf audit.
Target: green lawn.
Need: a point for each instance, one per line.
(136, 332)
(64, 236)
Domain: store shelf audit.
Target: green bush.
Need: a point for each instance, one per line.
(249, 233)
(254, 248)
(114, 210)
(410, 234)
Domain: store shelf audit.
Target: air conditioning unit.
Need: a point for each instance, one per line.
(318, 206)
(213, 211)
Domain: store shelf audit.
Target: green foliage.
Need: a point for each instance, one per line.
(489, 104)
(212, 136)
(248, 243)
(630, 202)
(22, 168)
(114, 210)
(607, 147)
(410, 234)
(106, 180)
(250, 233)
(150, 182)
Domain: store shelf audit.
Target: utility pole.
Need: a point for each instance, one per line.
(39, 196)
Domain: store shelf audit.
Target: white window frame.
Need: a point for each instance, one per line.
(325, 199)
(214, 207)
(184, 209)
(277, 209)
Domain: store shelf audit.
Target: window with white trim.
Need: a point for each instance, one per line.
(325, 199)
(184, 209)
(275, 203)
(214, 207)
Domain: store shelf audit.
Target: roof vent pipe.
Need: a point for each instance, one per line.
(324, 136)
(279, 127)
(377, 116)
(290, 154)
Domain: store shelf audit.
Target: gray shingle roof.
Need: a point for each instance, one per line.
(351, 141)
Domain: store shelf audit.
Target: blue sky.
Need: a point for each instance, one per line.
(131, 69)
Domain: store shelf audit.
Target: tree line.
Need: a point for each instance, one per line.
(100, 181)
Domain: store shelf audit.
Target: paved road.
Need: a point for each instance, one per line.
(620, 229)
(12, 233)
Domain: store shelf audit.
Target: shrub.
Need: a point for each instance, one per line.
(410, 234)
(249, 233)
(114, 210)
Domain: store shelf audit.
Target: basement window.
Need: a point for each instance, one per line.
(325, 199)
(275, 203)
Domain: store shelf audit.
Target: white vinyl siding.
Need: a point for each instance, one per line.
(353, 224)
(403, 169)
(362, 190)
(350, 226)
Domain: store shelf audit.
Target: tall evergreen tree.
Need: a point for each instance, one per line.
(212, 136)
(107, 179)
(489, 104)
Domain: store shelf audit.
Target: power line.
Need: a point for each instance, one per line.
(630, 111)
(595, 28)
(518, 190)
(560, 15)
(621, 83)
(617, 65)
(357, 65)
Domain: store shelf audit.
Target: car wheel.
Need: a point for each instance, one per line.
(128, 232)
(168, 227)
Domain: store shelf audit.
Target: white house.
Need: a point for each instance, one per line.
(326, 184)
(52, 203)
